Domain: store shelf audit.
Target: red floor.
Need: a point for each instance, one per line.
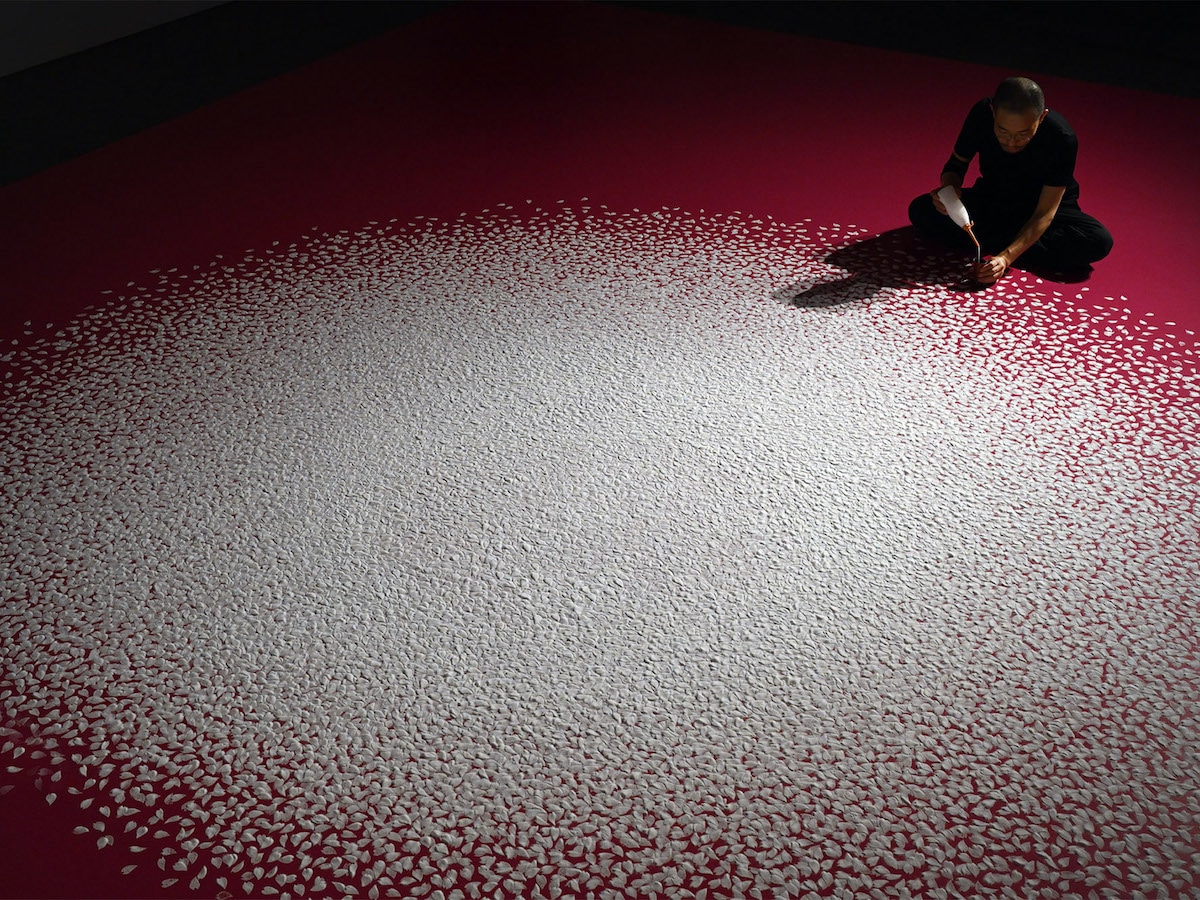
(631, 109)
(488, 103)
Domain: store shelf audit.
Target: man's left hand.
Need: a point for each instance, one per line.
(990, 270)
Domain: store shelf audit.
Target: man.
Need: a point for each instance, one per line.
(1025, 203)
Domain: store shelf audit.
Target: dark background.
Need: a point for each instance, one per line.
(60, 109)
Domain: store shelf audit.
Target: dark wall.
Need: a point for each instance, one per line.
(63, 108)
(1144, 44)
(34, 31)
(72, 105)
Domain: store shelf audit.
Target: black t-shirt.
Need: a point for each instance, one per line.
(1015, 180)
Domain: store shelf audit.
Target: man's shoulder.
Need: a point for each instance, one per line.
(1058, 122)
(1056, 125)
(979, 116)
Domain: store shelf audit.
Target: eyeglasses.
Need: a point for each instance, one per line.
(1006, 137)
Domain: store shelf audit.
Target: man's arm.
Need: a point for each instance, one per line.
(992, 269)
(952, 174)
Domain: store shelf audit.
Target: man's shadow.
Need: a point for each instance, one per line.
(899, 258)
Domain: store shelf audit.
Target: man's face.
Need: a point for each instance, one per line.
(1015, 130)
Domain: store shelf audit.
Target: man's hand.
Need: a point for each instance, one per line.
(990, 270)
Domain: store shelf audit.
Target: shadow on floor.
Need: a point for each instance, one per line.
(899, 258)
(896, 258)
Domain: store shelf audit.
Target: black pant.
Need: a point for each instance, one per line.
(1074, 239)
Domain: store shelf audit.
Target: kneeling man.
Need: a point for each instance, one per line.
(1026, 201)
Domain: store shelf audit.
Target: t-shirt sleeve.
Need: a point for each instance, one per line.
(975, 127)
(1060, 170)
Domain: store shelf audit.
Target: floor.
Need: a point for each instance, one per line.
(857, 514)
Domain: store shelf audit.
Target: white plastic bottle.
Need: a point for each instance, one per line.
(954, 206)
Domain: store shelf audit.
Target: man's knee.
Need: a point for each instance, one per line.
(1101, 243)
(922, 213)
(1078, 241)
(1090, 244)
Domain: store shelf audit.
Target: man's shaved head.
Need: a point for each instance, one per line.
(1020, 95)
